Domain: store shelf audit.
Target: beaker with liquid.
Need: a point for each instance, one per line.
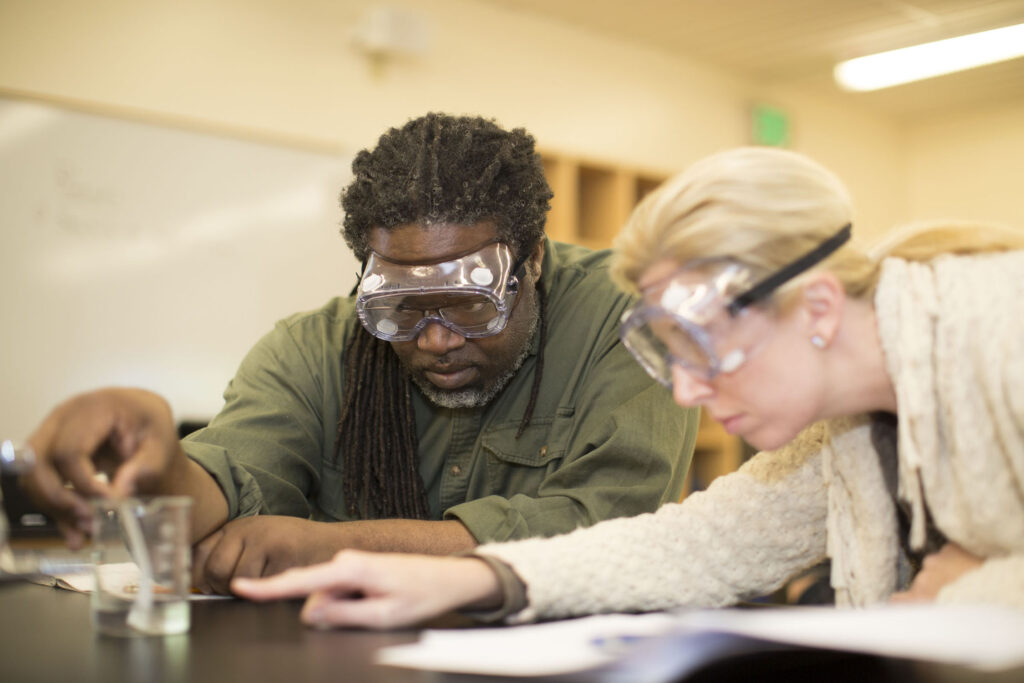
(142, 558)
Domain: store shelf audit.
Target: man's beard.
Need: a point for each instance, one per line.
(476, 397)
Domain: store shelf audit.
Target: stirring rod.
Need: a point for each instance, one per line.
(140, 616)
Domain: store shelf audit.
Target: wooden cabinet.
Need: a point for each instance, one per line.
(717, 452)
(592, 202)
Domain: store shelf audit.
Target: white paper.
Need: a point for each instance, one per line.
(126, 574)
(982, 637)
(535, 650)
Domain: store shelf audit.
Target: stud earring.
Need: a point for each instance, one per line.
(818, 341)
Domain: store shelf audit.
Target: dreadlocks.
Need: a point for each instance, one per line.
(434, 169)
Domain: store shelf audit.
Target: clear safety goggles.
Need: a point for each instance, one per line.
(472, 294)
(692, 321)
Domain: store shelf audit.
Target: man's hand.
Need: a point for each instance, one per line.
(252, 547)
(127, 434)
(380, 591)
(937, 570)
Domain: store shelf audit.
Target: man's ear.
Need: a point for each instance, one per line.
(535, 260)
(822, 301)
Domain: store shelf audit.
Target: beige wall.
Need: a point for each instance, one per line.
(969, 165)
(286, 69)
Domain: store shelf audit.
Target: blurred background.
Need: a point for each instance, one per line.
(649, 83)
(618, 94)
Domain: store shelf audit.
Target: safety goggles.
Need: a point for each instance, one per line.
(472, 294)
(691, 320)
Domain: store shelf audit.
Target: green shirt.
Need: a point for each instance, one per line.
(604, 441)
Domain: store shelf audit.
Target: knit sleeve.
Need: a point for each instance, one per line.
(743, 537)
(999, 581)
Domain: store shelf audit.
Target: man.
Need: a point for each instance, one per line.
(473, 387)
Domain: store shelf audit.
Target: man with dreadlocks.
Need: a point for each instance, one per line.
(472, 388)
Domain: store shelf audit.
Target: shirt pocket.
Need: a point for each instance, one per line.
(520, 465)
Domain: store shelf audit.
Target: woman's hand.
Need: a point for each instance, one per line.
(380, 590)
(937, 570)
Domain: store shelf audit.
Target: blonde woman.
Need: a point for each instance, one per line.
(884, 389)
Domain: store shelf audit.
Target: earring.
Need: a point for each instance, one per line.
(818, 341)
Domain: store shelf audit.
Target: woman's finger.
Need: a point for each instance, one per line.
(294, 583)
(326, 609)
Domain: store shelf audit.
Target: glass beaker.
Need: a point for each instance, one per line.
(143, 565)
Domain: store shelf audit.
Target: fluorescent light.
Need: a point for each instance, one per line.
(917, 62)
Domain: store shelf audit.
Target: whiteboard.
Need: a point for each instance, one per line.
(141, 255)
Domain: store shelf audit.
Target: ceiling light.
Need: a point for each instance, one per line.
(917, 62)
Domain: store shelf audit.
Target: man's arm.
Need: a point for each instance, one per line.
(209, 508)
(258, 546)
(265, 449)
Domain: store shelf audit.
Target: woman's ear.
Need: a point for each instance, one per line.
(821, 304)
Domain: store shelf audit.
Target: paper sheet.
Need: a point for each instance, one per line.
(986, 638)
(979, 636)
(125, 573)
(536, 650)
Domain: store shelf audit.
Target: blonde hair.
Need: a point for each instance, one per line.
(766, 207)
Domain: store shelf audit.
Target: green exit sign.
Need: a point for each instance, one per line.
(769, 126)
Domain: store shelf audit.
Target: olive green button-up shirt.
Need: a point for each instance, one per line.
(604, 441)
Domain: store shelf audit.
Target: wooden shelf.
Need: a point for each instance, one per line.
(563, 177)
(592, 200)
(591, 203)
(646, 184)
(717, 452)
(605, 198)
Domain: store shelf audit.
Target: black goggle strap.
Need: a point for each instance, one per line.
(359, 277)
(518, 273)
(768, 285)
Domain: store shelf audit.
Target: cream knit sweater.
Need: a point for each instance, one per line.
(953, 335)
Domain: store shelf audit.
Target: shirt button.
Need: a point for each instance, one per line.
(543, 451)
(455, 470)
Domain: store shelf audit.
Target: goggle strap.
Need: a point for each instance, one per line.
(768, 285)
(359, 278)
(518, 271)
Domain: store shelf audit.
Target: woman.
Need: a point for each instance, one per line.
(885, 390)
